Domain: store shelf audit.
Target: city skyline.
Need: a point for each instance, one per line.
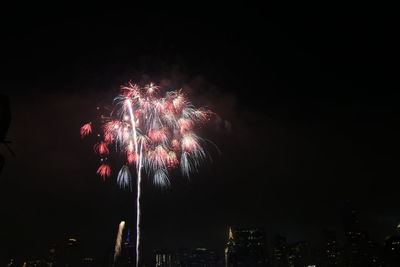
(244, 246)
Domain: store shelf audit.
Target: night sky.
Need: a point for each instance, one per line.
(307, 119)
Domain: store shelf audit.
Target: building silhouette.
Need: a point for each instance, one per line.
(280, 251)
(70, 254)
(199, 257)
(332, 254)
(245, 247)
(88, 262)
(127, 255)
(284, 254)
(359, 250)
(163, 258)
(298, 254)
(52, 256)
(392, 251)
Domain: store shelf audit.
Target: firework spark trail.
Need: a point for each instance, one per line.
(132, 117)
(117, 249)
(138, 182)
(155, 133)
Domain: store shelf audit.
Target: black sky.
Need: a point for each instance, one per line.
(307, 119)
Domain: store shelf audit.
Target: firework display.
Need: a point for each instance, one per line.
(154, 132)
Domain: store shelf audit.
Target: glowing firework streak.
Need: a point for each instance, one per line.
(117, 249)
(154, 132)
(139, 179)
(128, 101)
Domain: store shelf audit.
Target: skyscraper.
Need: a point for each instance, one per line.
(230, 250)
(199, 257)
(127, 256)
(280, 250)
(163, 258)
(88, 262)
(52, 256)
(298, 254)
(392, 250)
(70, 254)
(245, 247)
(360, 250)
(331, 255)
